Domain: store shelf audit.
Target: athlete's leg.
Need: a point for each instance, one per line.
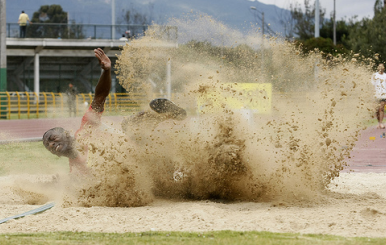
(380, 113)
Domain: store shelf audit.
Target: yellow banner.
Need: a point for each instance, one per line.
(234, 96)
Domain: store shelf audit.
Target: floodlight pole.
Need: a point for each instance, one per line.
(112, 19)
(334, 23)
(3, 47)
(317, 22)
(262, 36)
(168, 80)
(3, 57)
(262, 18)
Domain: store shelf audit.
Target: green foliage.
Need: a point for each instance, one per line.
(364, 36)
(342, 31)
(378, 6)
(325, 45)
(50, 21)
(367, 36)
(50, 14)
(304, 28)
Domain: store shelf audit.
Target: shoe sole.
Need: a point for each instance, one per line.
(162, 106)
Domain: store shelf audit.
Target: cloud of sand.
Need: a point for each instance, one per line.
(318, 107)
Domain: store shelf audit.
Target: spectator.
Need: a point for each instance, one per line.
(71, 99)
(379, 82)
(128, 34)
(23, 18)
(123, 38)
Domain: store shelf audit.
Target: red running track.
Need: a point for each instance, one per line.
(369, 155)
(35, 128)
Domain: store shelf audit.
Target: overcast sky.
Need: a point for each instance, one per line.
(344, 8)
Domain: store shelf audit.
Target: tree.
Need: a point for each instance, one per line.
(325, 45)
(49, 15)
(136, 20)
(378, 6)
(304, 21)
(367, 36)
(342, 31)
(304, 26)
(287, 22)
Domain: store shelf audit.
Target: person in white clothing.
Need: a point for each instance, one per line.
(379, 81)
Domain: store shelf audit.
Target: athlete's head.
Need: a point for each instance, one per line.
(59, 142)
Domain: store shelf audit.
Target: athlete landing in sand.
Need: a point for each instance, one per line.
(61, 143)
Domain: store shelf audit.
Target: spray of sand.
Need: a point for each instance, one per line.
(289, 151)
(319, 105)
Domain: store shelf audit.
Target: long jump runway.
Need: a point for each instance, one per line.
(33, 129)
(369, 154)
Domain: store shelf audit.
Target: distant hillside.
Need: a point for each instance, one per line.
(233, 13)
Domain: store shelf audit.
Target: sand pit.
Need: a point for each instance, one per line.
(355, 207)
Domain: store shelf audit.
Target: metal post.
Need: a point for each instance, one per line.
(334, 24)
(60, 78)
(168, 80)
(317, 22)
(68, 26)
(262, 17)
(113, 19)
(262, 43)
(36, 75)
(91, 77)
(316, 35)
(262, 35)
(3, 57)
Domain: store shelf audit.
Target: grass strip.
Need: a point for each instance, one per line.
(215, 237)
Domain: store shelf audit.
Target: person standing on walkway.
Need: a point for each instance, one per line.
(23, 18)
(71, 99)
(379, 81)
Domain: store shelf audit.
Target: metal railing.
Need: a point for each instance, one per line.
(26, 105)
(84, 31)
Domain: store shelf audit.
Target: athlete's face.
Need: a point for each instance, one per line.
(59, 142)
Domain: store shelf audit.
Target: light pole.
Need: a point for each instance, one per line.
(3, 57)
(334, 34)
(113, 19)
(262, 18)
(262, 35)
(317, 19)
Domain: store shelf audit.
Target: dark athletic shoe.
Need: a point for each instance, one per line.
(162, 106)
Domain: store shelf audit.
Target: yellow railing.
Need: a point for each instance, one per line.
(19, 105)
